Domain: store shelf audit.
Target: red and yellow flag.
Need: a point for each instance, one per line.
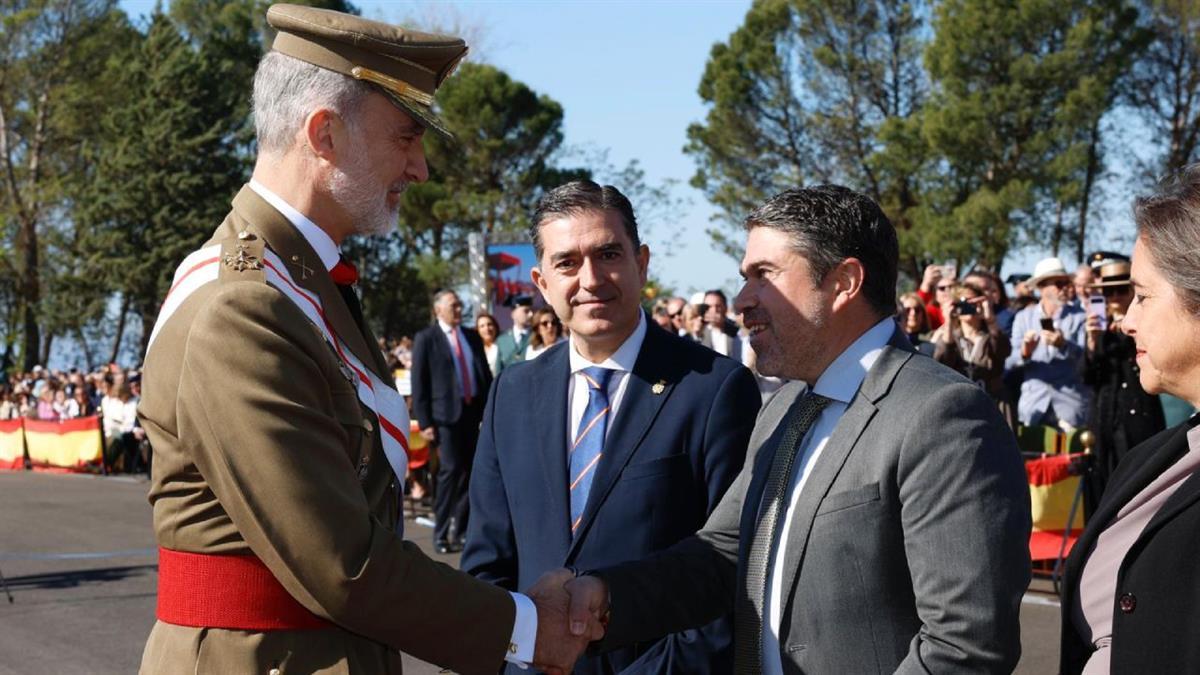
(70, 444)
(12, 445)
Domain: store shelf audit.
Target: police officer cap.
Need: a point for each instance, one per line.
(408, 66)
(518, 301)
(1101, 258)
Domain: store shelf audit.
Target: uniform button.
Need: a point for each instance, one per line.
(1124, 385)
(1132, 411)
(1127, 603)
(274, 671)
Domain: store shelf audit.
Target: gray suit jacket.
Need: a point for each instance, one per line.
(908, 551)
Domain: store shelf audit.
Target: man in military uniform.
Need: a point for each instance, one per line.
(279, 440)
(513, 342)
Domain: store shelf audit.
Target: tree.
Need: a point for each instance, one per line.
(802, 92)
(52, 86)
(164, 170)
(1014, 119)
(1164, 88)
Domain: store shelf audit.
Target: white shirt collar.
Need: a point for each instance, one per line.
(845, 375)
(622, 359)
(319, 239)
(446, 328)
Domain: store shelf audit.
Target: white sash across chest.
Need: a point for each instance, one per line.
(203, 267)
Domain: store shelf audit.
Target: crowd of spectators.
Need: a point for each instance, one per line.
(110, 393)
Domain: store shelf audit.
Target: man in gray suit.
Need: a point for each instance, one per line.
(881, 522)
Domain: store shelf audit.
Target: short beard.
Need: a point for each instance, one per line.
(359, 198)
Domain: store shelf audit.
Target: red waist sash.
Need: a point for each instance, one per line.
(235, 592)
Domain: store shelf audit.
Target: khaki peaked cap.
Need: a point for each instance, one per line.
(407, 65)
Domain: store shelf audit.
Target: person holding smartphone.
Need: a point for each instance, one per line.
(1122, 414)
(1051, 336)
(972, 343)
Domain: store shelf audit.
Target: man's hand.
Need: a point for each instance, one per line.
(1054, 338)
(589, 605)
(1029, 343)
(556, 648)
(430, 434)
(933, 274)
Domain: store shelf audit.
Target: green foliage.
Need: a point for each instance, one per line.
(1013, 124)
(1164, 88)
(164, 168)
(802, 92)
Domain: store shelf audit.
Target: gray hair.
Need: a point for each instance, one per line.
(287, 89)
(1168, 223)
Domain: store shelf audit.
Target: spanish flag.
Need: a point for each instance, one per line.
(73, 445)
(1052, 489)
(12, 445)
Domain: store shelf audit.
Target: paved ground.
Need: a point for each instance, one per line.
(78, 555)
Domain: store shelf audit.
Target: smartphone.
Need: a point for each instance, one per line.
(1047, 324)
(1096, 306)
(950, 270)
(966, 308)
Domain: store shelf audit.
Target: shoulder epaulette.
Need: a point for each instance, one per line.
(242, 256)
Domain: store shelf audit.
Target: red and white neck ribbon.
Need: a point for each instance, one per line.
(203, 267)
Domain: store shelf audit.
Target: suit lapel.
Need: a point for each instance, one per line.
(1120, 492)
(306, 271)
(549, 399)
(849, 429)
(639, 406)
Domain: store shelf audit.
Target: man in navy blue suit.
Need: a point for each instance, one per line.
(614, 444)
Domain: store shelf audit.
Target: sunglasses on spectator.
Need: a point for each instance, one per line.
(1057, 283)
(547, 322)
(1110, 291)
(945, 287)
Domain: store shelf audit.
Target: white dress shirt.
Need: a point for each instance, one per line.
(839, 382)
(621, 361)
(524, 633)
(318, 239)
(467, 359)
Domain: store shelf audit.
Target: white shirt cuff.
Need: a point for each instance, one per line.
(520, 647)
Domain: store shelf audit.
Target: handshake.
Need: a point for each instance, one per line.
(572, 611)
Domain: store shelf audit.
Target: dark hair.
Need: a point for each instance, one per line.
(536, 339)
(719, 293)
(581, 196)
(830, 223)
(1168, 222)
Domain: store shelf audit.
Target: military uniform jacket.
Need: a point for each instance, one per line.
(262, 446)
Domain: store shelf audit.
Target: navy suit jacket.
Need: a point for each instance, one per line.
(435, 388)
(677, 442)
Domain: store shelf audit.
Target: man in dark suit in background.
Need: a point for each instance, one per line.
(881, 523)
(613, 445)
(450, 382)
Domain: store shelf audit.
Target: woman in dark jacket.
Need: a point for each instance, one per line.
(1131, 597)
(1122, 414)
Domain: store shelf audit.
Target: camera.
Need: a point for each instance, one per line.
(965, 307)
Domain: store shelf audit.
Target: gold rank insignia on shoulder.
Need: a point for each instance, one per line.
(659, 387)
(242, 260)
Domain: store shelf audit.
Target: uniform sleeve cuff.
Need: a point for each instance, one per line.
(520, 647)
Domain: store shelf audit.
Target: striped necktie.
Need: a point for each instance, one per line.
(750, 609)
(588, 446)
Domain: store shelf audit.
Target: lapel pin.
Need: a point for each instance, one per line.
(659, 387)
